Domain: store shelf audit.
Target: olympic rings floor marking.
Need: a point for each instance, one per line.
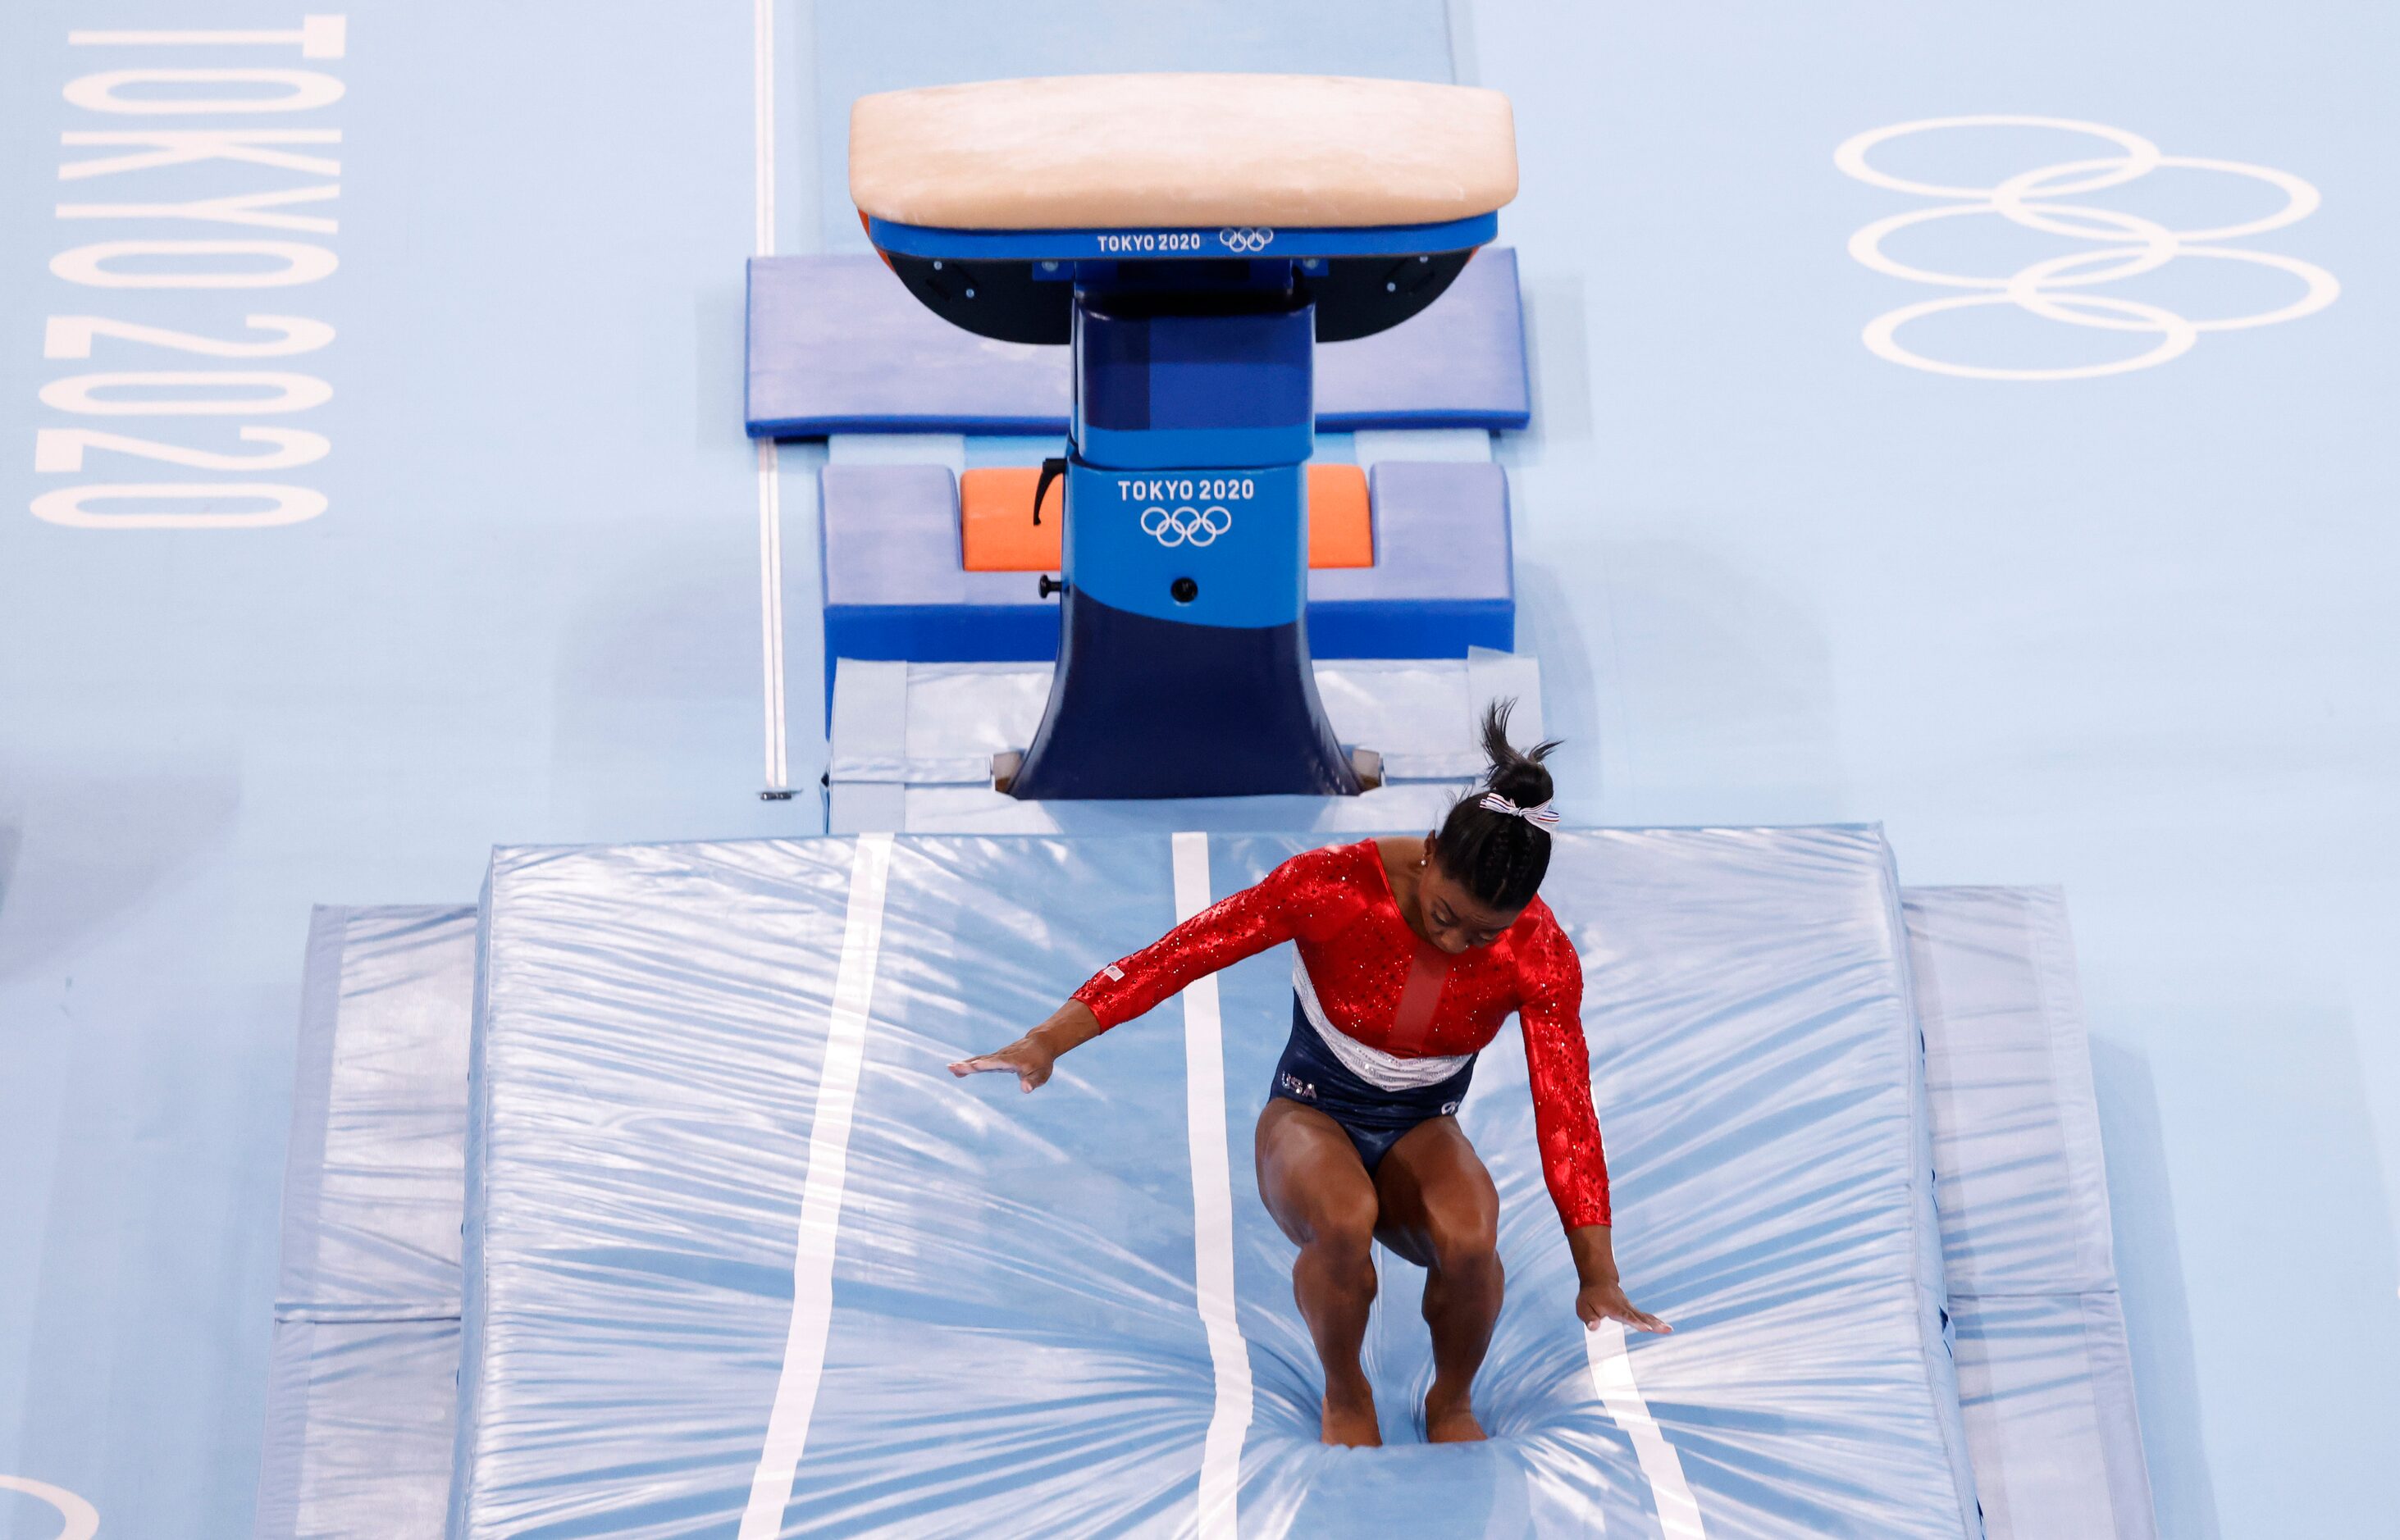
(82, 1518)
(2050, 289)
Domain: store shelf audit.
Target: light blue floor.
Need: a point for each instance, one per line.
(2132, 635)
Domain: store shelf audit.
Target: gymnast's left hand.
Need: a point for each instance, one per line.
(1032, 1058)
(1599, 1297)
(1599, 1301)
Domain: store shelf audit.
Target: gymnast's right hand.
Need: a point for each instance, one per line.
(1027, 1058)
(1032, 1058)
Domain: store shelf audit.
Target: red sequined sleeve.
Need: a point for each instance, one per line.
(1550, 1010)
(1233, 928)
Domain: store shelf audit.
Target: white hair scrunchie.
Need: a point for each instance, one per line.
(1543, 816)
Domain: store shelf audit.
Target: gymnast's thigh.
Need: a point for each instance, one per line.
(1310, 1175)
(1435, 1197)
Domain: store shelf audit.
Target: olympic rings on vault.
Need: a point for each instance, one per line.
(1187, 525)
(2058, 288)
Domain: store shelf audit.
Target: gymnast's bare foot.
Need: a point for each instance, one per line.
(1350, 1419)
(1451, 1419)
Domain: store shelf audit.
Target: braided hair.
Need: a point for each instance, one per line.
(1499, 857)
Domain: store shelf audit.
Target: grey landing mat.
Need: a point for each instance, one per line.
(361, 1386)
(2044, 1376)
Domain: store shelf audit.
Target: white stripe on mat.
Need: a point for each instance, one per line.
(1212, 1213)
(1612, 1375)
(804, 1345)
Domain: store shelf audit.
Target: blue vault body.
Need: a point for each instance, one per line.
(1183, 664)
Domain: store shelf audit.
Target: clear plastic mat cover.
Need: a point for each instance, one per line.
(740, 1246)
(2045, 1375)
(374, 1170)
(360, 1429)
(361, 1385)
(940, 724)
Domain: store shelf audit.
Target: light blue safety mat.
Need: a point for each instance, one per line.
(363, 1409)
(361, 1387)
(360, 1425)
(739, 1245)
(2043, 1369)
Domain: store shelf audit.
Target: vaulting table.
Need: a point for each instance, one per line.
(1192, 236)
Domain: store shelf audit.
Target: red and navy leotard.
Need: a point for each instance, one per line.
(1386, 987)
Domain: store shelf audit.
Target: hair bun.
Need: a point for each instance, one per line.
(1500, 858)
(1524, 782)
(1515, 773)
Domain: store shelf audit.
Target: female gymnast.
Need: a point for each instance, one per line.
(1411, 954)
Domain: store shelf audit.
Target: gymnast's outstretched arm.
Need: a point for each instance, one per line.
(1032, 1058)
(1574, 1164)
(1240, 925)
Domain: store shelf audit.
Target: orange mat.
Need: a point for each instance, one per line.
(999, 535)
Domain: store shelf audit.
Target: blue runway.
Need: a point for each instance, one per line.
(2130, 634)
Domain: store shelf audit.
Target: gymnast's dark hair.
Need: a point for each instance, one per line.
(1500, 857)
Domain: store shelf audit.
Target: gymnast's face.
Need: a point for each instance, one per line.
(1454, 919)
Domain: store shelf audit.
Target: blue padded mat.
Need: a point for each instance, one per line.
(2044, 1373)
(837, 345)
(894, 577)
(1458, 363)
(361, 1386)
(1444, 580)
(999, 1329)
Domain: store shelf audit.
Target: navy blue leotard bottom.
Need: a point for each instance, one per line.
(1374, 1118)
